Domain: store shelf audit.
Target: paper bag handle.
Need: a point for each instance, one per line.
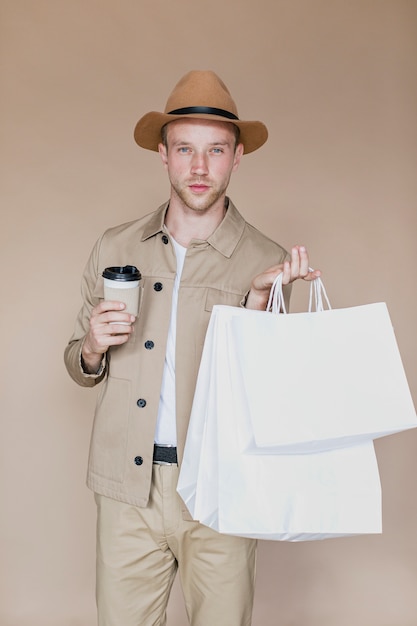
(317, 300)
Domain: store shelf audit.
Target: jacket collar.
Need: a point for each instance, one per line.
(224, 239)
(229, 232)
(156, 222)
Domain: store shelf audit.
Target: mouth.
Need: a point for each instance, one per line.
(198, 187)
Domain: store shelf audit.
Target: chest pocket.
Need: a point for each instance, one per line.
(216, 296)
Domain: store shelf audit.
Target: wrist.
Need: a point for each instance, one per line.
(256, 300)
(91, 362)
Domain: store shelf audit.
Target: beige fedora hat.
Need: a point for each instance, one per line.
(199, 95)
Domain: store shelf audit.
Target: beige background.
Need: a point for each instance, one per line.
(335, 83)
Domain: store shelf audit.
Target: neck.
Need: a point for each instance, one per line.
(186, 224)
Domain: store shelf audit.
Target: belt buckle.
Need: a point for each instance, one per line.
(164, 445)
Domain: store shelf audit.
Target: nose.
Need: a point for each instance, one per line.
(199, 164)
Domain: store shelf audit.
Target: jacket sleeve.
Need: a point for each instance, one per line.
(90, 298)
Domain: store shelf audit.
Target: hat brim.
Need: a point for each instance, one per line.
(147, 132)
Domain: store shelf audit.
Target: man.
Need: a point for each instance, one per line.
(195, 251)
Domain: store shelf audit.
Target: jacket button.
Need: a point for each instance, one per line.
(138, 460)
(165, 239)
(149, 344)
(141, 403)
(158, 286)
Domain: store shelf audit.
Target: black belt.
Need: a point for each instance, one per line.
(165, 455)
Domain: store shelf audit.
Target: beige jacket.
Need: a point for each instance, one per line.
(216, 271)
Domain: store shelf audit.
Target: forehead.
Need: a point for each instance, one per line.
(189, 129)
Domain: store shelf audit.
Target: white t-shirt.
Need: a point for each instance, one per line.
(166, 428)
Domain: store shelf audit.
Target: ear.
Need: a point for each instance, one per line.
(163, 154)
(238, 155)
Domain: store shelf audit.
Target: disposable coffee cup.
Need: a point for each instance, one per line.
(123, 285)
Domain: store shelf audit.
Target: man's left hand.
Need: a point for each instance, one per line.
(297, 267)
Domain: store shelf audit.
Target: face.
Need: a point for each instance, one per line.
(200, 157)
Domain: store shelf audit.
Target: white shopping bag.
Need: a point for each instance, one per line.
(196, 470)
(317, 380)
(280, 497)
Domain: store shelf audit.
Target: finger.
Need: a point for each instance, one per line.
(103, 342)
(304, 262)
(109, 305)
(295, 262)
(113, 317)
(313, 275)
(109, 317)
(287, 272)
(118, 330)
(97, 341)
(108, 334)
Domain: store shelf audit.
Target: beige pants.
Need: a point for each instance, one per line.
(140, 550)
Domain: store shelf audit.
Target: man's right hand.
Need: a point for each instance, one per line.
(109, 326)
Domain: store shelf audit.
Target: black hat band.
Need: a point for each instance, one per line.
(204, 110)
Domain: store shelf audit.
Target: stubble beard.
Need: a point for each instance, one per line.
(199, 202)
